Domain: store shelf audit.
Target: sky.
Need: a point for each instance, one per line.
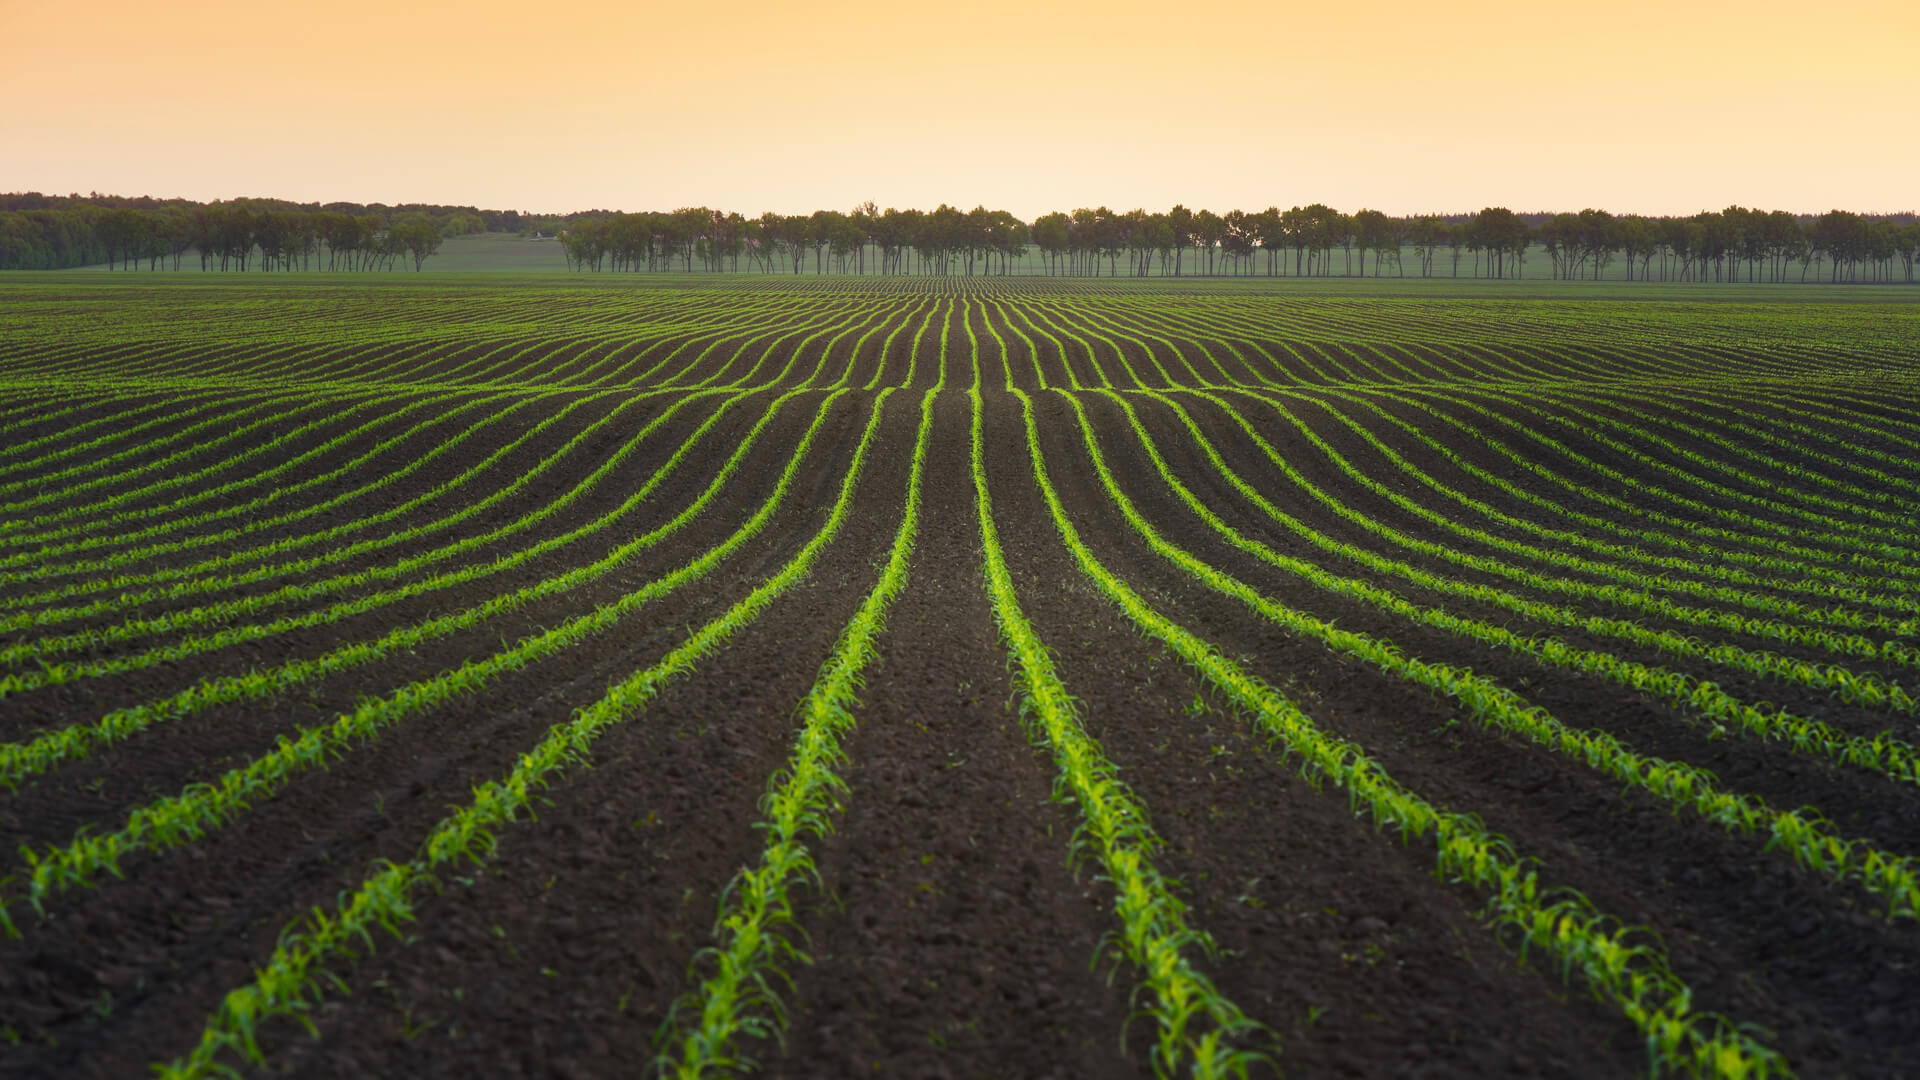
(1406, 106)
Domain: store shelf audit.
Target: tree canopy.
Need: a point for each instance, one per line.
(1734, 244)
(41, 232)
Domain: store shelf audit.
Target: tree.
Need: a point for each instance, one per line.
(690, 225)
(912, 223)
(1052, 234)
(1165, 240)
(270, 233)
(1784, 241)
(1598, 238)
(1272, 235)
(1006, 239)
(1426, 233)
(1387, 240)
(1340, 231)
(1560, 235)
(1842, 237)
(584, 243)
(175, 229)
(117, 232)
(1502, 234)
(1237, 238)
(420, 239)
(1317, 229)
(796, 234)
(863, 218)
(942, 234)
(1638, 239)
(1180, 220)
(847, 239)
(1208, 228)
(1298, 227)
(1369, 226)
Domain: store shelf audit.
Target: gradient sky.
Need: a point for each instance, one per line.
(1655, 106)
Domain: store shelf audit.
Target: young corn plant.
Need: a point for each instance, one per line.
(1708, 703)
(1197, 1030)
(289, 984)
(737, 999)
(1894, 879)
(1633, 977)
(186, 817)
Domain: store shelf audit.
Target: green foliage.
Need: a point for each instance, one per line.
(737, 997)
(289, 983)
(1196, 1028)
(1692, 505)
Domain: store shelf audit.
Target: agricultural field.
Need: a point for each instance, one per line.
(908, 677)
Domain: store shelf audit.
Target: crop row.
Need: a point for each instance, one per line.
(1622, 509)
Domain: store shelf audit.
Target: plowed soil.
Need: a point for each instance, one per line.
(950, 931)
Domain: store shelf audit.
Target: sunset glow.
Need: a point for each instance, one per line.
(1652, 107)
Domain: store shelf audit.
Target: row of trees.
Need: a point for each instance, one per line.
(51, 233)
(239, 238)
(942, 241)
(1735, 244)
(1274, 242)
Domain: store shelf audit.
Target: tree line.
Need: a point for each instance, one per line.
(44, 232)
(1735, 244)
(942, 241)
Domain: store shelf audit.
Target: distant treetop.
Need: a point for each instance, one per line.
(47, 232)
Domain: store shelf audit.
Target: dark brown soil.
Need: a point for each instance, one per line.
(951, 939)
(949, 932)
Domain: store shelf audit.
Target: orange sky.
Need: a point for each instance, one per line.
(1659, 106)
